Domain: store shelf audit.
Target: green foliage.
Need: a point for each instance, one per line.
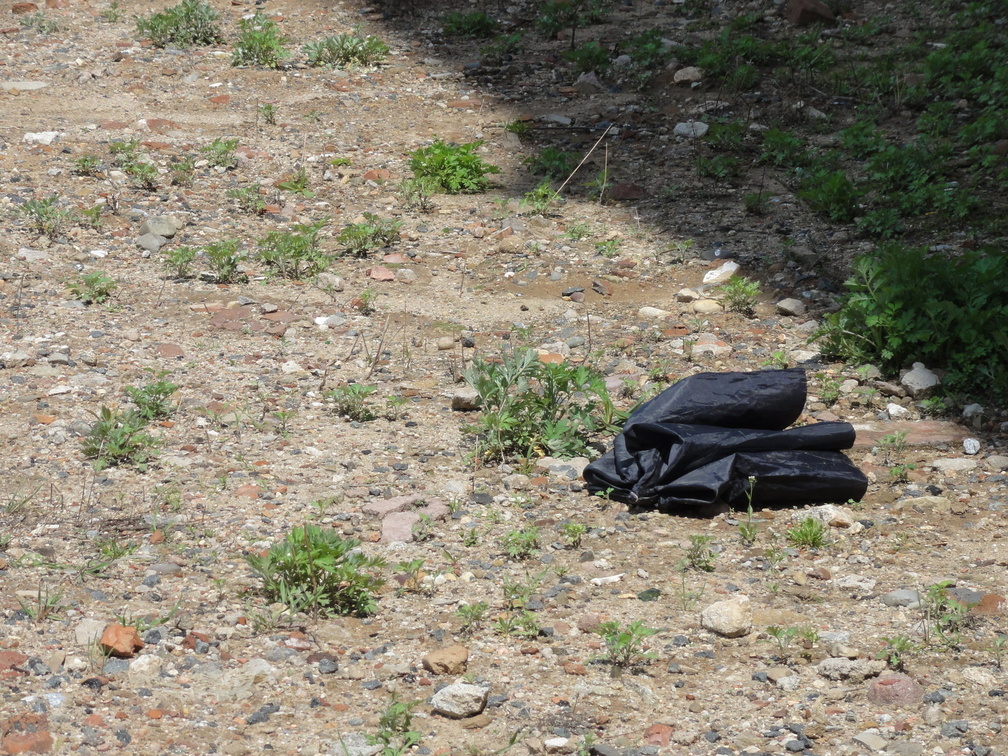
(93, 288)
(351, 401)
(259, 43)
(521, 544)
(699, 554)
(177, 260)
(726, 136)
(783, 637)
(45, 215)
(315, 570)
(269, 111)
(144, 175)
(783, 149)
(556, 15)
(832, 194)
(117, 438)
(531, 408)
(454, 168)
(249, 199)
(123, 151)
(756, 203)
(590, 56)
(862, 139)
(47, 604)
(221, 152)
(295, 253)
(573, 532)
(182, 172)
(829, 387)
(740, 294)
(297, 183)
(943, 618)
(608, 248)
(502, 47)
(394, 734)
(87, 165)
(472, 616)
(39, 22)
(647, 50)
(152, 399)
(415, 194)
(807, 534)
(552, 163)
(908, 304)
(224, 259)
(518, 624)
(539, 199)
(345, 50)
(624, 646)
(476, 24)
(191, 23)
(373, 232)
(720, 167)
(91, 216)
(896, 650)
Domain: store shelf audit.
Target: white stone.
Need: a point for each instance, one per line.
(687, 75)
(22, 86)
(652, 313)
(971, 446)
(706, 306)
(829, 515)
(920, 380)
(953, 464)
(460, 700)
(731, 618)
(14, 359)
(856, 582)
(687, 295)
(691, 129)
(88, 631)
(855, 670)
(720, 275)
(897, 411)
(148, 665)
(871, 740)
(41, 137)
(980, 677)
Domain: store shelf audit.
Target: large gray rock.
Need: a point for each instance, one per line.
(920, 381)
(791, 306)
(731, 618)
(162, 225)
(690, 129)
(151, 242)
(856, 670)
(460, 700)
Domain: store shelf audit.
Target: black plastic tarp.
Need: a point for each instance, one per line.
(698, 443)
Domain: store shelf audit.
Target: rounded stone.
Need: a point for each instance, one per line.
(896, 690)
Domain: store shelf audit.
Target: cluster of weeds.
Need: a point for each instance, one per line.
(416, 193)
(807, 534)
(93, 288)
(373, 232)
(39, 22)
(224, 258)
(119, 437)
(521, 544)
(295, 253)
(296, 183)
(454, 168)
(476, 25)
(531, 408)
(699, 554)
(502, 48)
(191, 23)
(249, 199)
(177, 261)
(152, 399)
(395, 735)
(557, 15)
(740, 295)
(905, 304)
(315, 570)
(260, 43)
(624, 645)
(590, 56)
(345, 50)
(221, 152)
(539, 199)
(269, 112)
(351, 401)
(45, 216)
(87, 165)
(472, 616)
(552, 163)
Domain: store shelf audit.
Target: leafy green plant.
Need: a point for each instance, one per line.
(191, 23)
(720, 167)
(535, 408)
(740, 294)
(224, 259)
(552, 163)
(756, 203)
(896, 650)
(39, 22)
(87, 165)
(455, 168)
(808, 534)
(521, 544)
(783, 149)
(608, 247)
(907, 304)
(783, 637)
(538, 200)
(152, 399)
(502, 47)
(113, 14)
(829, 387)
(778, 360)
(45, 215)
(183, 172)
(221, 152)
(364, 302)
(178, 260)
(624, 646)
(93, 288)
(573, 532)
(249, 199)
(832, 194)
(476, 24)
(517, 127)
(124, 151)
(315, 570)
(297, 183)
(371, 233)
(295, 253)
(747, 528)
(519, 624)
(259, 43)
(269, 112)
(943, 618)
(351, 401)
(112, 549)
(345, 50)
(117, 438)
(415, 194)
(47, 604)
(590, 56)
(699, 554)
(92, 216)
(557, 15)
(394, 734)
(143, 174)
(472, 616)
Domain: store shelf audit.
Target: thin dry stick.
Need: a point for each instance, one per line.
(17, 306)
(588, 155)
(605, 175)
(588, 353)
(381, 343)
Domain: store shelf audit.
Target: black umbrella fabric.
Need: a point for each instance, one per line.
(700, 441)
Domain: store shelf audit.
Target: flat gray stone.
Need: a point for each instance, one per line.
(162, 225)
(691, 129)
(460, 700)
(151, 242)
(903, 597)
(22, 85)
(465, 400)
(791, 307)
(871, 741)
(919, 381)
(954, 464)
(855, 670)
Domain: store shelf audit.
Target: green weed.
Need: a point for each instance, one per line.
(371, 233)
(191, 23)
(454, 168)
(249, 199)
(93, 288)
(699, 554)
(152, 399)
(740, 295)
(221, 152)
(118, 438)
(178, 260)
(807, 534)
(624, 646)
(346, 50)
(476, 24)
(521, 544)
(224, 259)
(295, 253)
(350, 401)
(472, 616)
(296, 183)
(45, 216)
(552, 163)
(259, 43)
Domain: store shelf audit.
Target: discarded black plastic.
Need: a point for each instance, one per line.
(698, 442)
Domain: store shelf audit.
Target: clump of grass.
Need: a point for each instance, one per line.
(260, 43)
(191, 23)
(346, 50)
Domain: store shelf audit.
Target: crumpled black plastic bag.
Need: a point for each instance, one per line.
(698, 442)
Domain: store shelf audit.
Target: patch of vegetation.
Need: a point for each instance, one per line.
(350, 401)
(415, 194)
(87, 165)
(93, 288)
(539, 199)
(395, 735)
(45, 215)
(152, 399)
(373, 232)
(178, 260)
(345, 50)
(740, 294)
(249, 199)
(224, 259)
(259, 43)
(590, 56)
(552, 163)
(221, 152)
(502, 48)
(455, 168)
(118, 437)
(699, 555)
(472, 616)
(191, 23)
(521, 544)
(906, 304)
(807, 534)
(624, 646)
(295, 253)
(531, 408)
(476, 24)
(296, 183)
(39, 22)
(315, 570)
